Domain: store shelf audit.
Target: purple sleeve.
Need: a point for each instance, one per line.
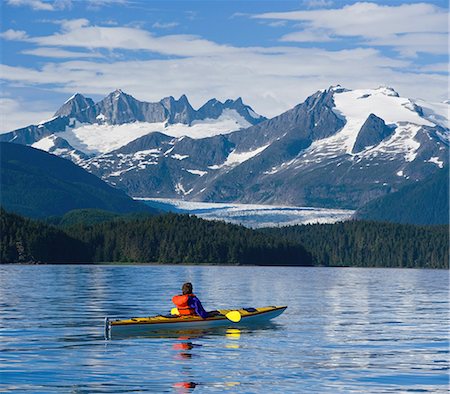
(195, 304)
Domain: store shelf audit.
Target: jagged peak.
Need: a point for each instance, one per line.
(75, 96)
(170, 99)
(75, 102)
(213, 101)
(119, 93)
(238, 101)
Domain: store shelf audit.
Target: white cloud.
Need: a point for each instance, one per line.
(41, 5)
(59, 5)
(167, 25)
(308, 35)
(15, 114)
(377, 25)
(14, 35)
(276, 23)
(317, 3)
(72, 24)
(410, 44)
(436, 67)
(98, 4)
(60, 53)
(78, 33)
(271, 80)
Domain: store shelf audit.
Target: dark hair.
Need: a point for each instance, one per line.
(187, 288)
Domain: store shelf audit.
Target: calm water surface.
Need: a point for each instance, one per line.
(345, 330)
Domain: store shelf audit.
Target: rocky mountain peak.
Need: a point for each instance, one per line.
(119, 94)
(178, 111)
(74, 104)
(214, 108)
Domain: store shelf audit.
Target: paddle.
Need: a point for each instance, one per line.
(234, 316)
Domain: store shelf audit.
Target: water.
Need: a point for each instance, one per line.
(345, 330)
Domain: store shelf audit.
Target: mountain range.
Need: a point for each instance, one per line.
(339, 148)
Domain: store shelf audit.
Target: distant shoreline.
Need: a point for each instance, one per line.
(216, 265)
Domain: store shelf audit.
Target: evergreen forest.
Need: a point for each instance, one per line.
(371, 244)
(94, 237)
(170, 238)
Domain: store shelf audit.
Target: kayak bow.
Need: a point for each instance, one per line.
(138, 325)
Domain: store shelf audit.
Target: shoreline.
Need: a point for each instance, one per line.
(215, 265)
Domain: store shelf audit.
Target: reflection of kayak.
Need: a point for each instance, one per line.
(138, 325)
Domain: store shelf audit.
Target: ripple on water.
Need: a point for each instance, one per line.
(346, 330)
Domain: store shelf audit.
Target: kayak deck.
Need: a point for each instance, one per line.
(138, 325)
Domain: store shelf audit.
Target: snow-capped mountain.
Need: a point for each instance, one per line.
(82, 129)
(339, 148)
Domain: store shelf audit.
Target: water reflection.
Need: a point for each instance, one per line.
(187, 349)
(346, 330)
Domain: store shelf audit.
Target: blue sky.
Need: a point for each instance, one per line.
(271, 53)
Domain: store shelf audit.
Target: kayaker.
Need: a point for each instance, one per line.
(188, 304)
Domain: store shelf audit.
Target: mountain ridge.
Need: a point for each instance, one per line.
(340, 148)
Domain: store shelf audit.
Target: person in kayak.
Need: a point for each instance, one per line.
(188, 304)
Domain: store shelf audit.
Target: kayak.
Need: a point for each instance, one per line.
(138, 325)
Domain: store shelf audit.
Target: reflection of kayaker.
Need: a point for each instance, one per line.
(188, 304)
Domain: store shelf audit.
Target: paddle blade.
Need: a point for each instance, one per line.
(174, 311)
(233, 316)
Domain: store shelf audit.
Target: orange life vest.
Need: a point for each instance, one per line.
(181, 301)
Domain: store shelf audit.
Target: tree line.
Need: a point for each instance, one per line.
(169, 238)
(371, 244)
(185, 239)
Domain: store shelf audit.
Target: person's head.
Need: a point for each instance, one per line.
(187, 288)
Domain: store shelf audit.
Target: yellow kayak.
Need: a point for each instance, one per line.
(138, 325)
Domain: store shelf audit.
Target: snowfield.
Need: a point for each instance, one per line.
(102, 138)
(251, 215)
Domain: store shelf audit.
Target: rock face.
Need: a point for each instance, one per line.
(76, 104)
(339, 148)
(372, 132)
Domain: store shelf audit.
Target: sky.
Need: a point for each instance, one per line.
(273, 54)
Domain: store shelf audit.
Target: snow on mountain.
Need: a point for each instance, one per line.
(236, 158)
(379, 142)
(45, 143)
(339, 148)
(355, 106)
(437, 113)
(102, 138)
(226, 123)
(119, 118)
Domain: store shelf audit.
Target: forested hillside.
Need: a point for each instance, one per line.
(425, 202)
(27, 241)
(165, 239)
(37, 184)
(371, 244)
(184, 239)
